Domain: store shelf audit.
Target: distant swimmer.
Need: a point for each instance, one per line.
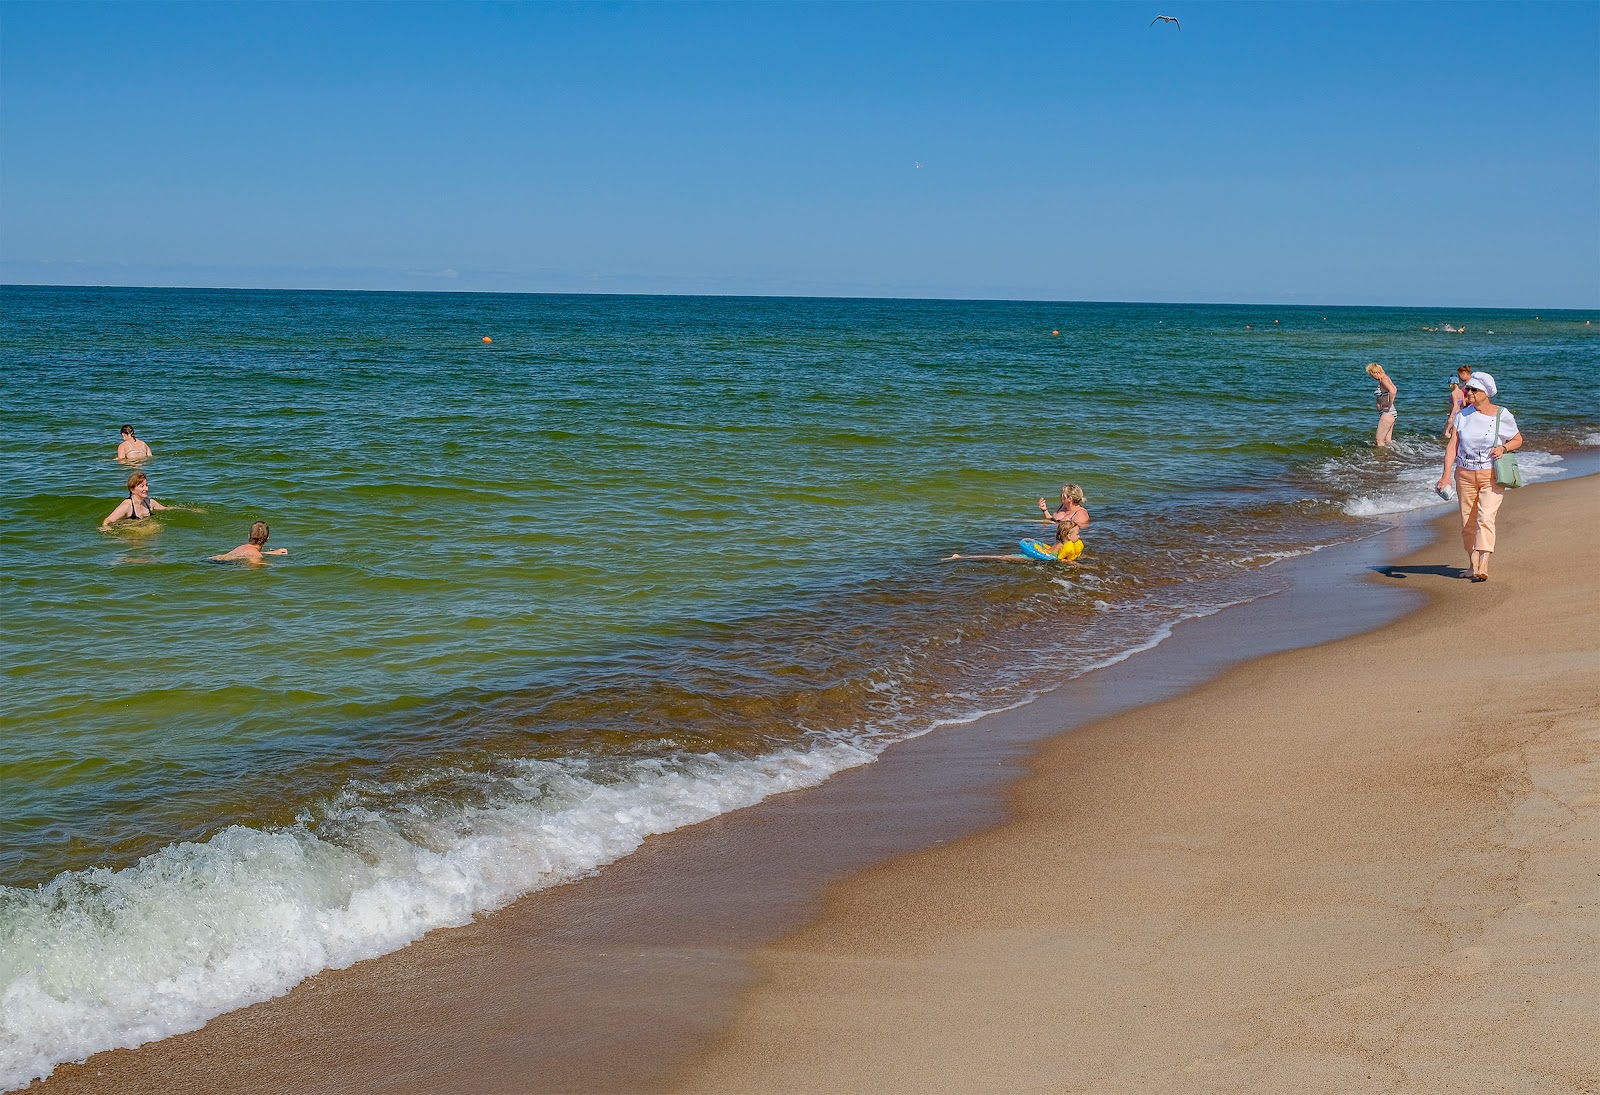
(1166, 19)
(132, 448)
(252, 550)
(138, 506)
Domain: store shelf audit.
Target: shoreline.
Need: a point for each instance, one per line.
(1367, 865)
(619, 980)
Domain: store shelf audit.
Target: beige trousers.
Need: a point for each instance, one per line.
(1480, 499)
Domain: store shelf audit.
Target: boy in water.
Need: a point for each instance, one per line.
(251, 552)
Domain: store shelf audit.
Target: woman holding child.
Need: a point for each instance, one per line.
(1069, 519)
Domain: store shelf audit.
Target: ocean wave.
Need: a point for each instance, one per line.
(1269, 558)
(1413, 488)
(101, 959)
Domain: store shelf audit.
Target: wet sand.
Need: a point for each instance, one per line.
(625, 981)
(1373, 865)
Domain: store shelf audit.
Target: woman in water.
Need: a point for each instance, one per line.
(253, 549)
(1458, 398)
(138, 506)
(1069, 519)
(1386, 394)
(131, 448)
(1482, 435)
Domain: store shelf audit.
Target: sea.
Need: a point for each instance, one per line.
(564, 572)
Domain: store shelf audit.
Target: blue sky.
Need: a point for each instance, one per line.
(1434, 154)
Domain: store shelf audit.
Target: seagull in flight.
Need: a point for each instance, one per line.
(1166, 19)
(918, 164)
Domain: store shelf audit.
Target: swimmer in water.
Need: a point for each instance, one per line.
(251, 551)
(132, 448)
(138, 506)
(1069, 520)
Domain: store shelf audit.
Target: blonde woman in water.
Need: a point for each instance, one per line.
(1386, 395)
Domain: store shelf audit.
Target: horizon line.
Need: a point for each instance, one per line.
(783, 296)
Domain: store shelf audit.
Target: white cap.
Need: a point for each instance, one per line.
(1482, 381)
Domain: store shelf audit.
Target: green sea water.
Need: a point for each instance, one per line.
(635, 561)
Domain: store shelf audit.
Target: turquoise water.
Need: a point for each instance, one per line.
(635, 562)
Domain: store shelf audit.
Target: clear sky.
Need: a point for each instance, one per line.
(1435, 153)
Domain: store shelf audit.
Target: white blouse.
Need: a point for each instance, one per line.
(1475, 436)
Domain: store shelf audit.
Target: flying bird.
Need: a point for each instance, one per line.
(918, 164)
(1166, 19)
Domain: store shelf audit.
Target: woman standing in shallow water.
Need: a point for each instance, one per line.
(1386, 412)
(1458, 398)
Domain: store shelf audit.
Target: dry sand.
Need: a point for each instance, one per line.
(1372, 865)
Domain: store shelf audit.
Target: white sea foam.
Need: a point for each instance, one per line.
(1271, 558)
(1413, 489)
(1591, 439)
(99, 959)
(1538, 465)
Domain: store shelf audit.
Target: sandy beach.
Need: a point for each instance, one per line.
(1366, 866)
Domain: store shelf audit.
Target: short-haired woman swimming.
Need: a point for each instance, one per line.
(252, 549)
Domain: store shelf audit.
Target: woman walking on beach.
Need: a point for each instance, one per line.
(138, 506)
(1386, 413)
(1481, 435)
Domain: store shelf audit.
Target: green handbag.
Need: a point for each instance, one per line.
(1506, 472)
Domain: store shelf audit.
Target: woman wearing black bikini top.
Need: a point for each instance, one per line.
(1386, 395)
(137, 506)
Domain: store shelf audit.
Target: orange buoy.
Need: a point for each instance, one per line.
(486, 338)
(1055, 332)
